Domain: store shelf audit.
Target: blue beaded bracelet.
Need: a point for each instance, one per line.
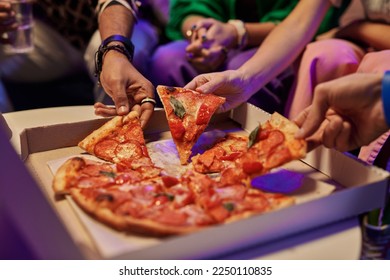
(386, 96)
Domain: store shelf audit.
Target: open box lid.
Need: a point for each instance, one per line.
(366, 189)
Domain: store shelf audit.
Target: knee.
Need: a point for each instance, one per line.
(332, 55)
(375, 62)
(331, 49)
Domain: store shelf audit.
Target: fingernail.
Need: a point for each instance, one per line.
(190, 55)
(193, 27)
(122, 110)
(204, 38)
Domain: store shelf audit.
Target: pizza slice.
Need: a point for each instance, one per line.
(188, 113)
(221, 155)
(271, 145)
(120, 140)
(239, 159)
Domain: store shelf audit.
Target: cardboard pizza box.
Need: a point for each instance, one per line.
(335, 187)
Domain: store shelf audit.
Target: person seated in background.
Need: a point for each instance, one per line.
(217, 35)
(63, 44)
(278, 51)
(347, 49)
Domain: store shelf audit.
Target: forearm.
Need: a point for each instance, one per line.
(367, 33)
(116, 19)
(284, 44)
(257, 32)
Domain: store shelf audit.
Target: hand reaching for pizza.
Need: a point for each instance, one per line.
(209, 41)
(230, 84)
(127, 88)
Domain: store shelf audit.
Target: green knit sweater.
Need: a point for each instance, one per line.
(223, 10)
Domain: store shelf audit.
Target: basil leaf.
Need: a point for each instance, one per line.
(108, 174)
(178, 108)
(229, 206)
(253, 136)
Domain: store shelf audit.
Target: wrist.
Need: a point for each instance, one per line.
(117, 43)
(242, 34)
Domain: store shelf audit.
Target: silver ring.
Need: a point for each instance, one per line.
(148, 99)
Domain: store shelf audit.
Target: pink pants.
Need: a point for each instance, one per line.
(330, 59)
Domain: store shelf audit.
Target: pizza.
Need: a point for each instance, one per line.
(268, 146)
(188, 113)
(160, 205)
(127, 192)
(222, 154)
(120, 140)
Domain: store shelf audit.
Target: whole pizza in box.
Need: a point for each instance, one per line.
(128, 192)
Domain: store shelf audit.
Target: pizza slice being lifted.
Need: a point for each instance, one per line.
(120, 140)
(188, 113)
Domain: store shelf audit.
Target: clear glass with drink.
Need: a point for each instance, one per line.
(21, 39)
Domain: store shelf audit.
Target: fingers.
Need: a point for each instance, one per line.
(207, 85)
(196, 82)
(311, 118)
(105, 110)
(332, 131)
(146, 113)
(342, 142)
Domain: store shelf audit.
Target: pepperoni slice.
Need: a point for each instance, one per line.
(232, 156)
(275, 138)
(219, 213)
(252, 167)
(234, 192)
(171, 217)
(182, 196)
(94, 170)
(278, 157)
(170, 181)
(106, 149)
(129, 150)
(133, 131)
(149, 171)
(95, 182)
(129, 176)
(231, 176)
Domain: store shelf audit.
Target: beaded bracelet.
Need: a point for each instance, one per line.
(127, 49)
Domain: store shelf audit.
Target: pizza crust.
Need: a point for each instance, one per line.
(89, 142)
(66, 174)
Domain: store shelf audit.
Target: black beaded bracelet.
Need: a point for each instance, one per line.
(127, 49)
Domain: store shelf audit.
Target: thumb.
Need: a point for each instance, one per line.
(121, 103)
(312, 117)
(201, 84)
